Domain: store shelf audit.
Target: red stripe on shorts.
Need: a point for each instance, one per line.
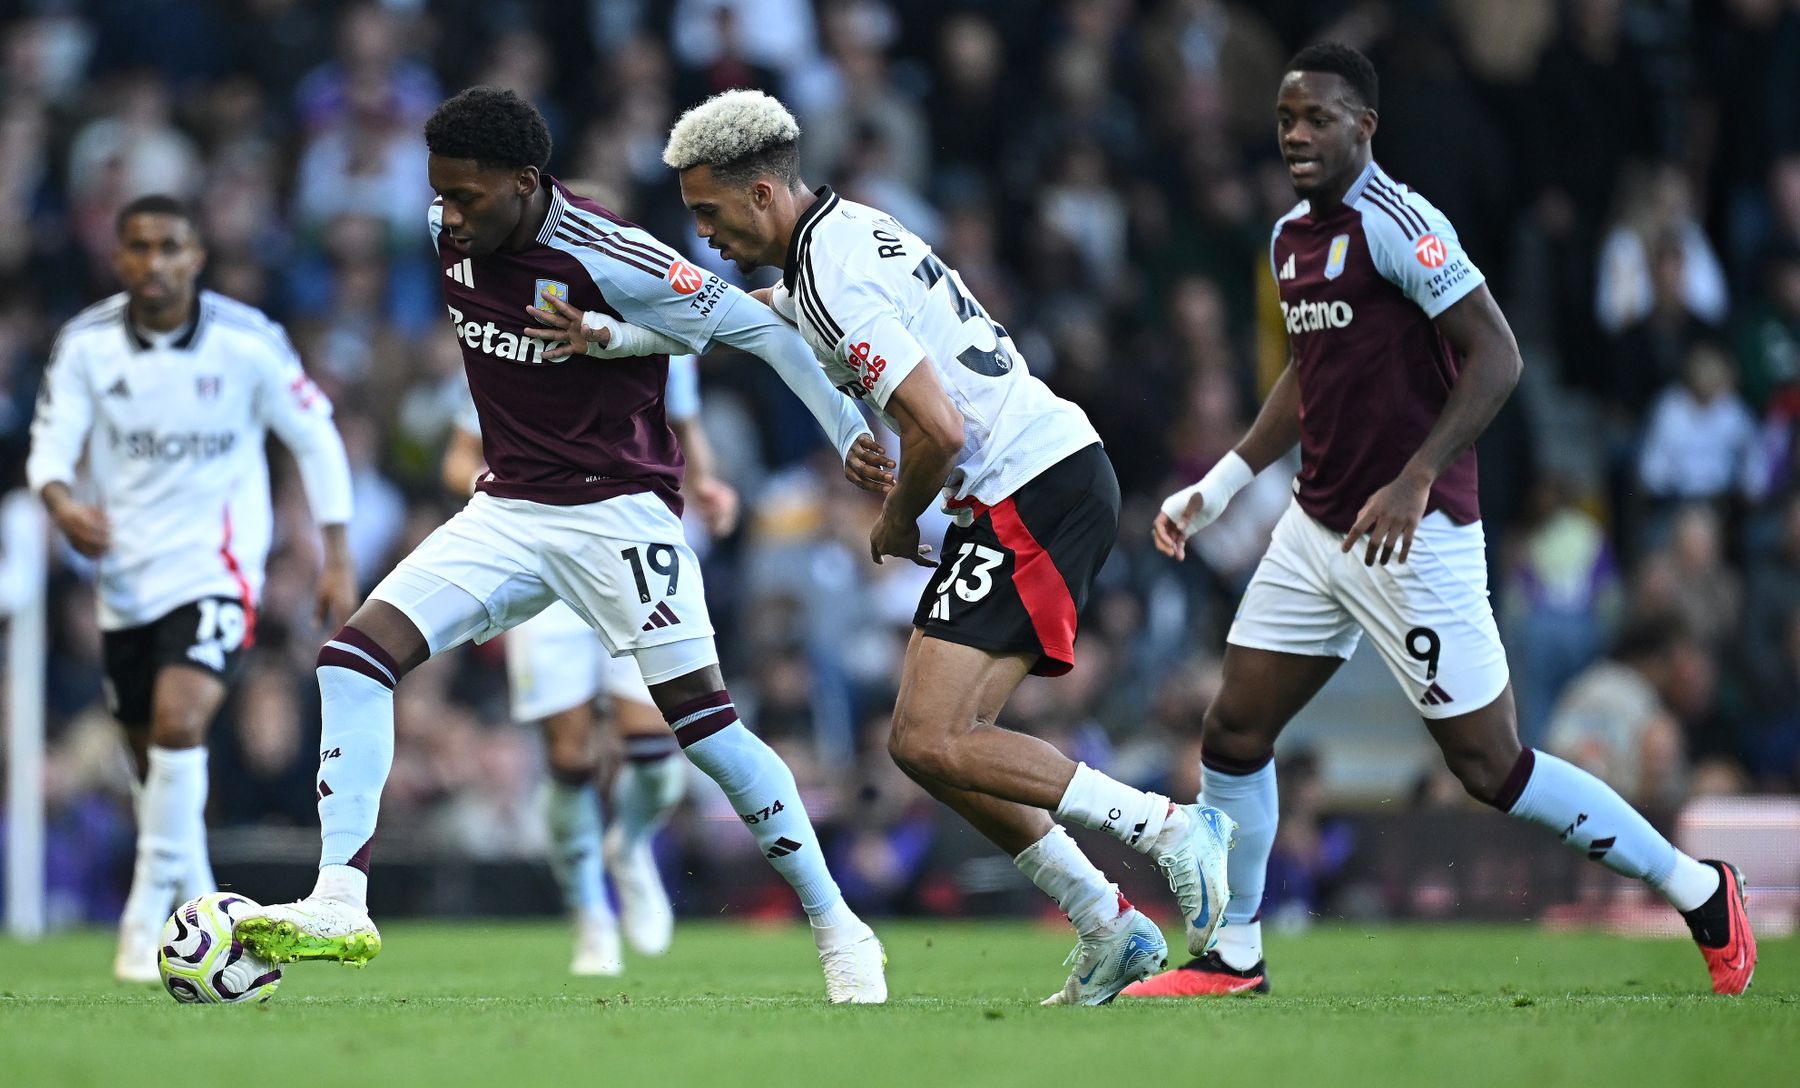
(1041, 588)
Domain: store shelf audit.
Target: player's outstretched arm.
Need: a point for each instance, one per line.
(931, 436)
(757, 329)
(1476, 328)
(1193, 508)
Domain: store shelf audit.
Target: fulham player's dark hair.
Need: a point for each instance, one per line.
(1341, 60)
(491, 125)
(152, 204)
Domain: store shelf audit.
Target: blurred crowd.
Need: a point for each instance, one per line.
(1104, 175)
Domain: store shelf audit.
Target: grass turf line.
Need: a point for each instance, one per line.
(738, 1005)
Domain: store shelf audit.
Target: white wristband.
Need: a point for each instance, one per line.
(1215, 489)
(625, 340)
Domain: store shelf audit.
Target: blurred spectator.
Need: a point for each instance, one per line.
(1559, 601)
(1690, 579)
(1621, 718)
(1701, 441)
(1649, 353)
(1657, 216)
(1768, 336)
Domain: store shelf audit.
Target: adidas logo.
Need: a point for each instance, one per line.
(782, 848)
(1598, 848)
(1436, 696)
(117, 389)
(664, 616)
(462, 272)
(1287, 269)
(323, 791)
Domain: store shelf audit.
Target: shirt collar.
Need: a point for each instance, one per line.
(790, 267)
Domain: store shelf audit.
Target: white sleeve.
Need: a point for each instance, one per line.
(750, 326)
(300, 415)
(651, 286)
(434, 219)
(875, 343)
(1416, 249)
(681, 399)
(65, 412)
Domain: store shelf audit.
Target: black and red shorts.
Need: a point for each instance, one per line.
(209, 634)
(1014, 579)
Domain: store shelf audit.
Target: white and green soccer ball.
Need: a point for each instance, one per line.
(203, 964)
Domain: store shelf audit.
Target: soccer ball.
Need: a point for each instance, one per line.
(203, 964)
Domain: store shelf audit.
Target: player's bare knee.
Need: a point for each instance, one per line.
(1238, 737)
(921, 748)
(1482, 777)
(178, 730)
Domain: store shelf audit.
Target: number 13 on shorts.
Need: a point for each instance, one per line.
(969, 575)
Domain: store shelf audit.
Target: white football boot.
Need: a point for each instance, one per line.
(855, 970)
(1194, 861)
(315, 928)
(1132, 948)
(644, 911)
(137, 954)
(597, 950)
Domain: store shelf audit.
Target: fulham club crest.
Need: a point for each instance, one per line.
(207, 386)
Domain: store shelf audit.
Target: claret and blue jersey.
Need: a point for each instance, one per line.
(1360, 286)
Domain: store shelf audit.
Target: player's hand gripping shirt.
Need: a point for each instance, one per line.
(1360, 287)
(873, 301)
(172, 428)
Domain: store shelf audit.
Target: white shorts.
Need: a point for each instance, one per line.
(554, 661)
(1429, 618)
(621, 565)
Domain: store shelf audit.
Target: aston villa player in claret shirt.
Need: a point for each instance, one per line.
(1398, 359)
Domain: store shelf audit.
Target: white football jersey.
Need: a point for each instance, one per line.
(172, 428)
(872, 300)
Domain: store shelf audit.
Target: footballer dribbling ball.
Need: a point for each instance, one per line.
(203, 964)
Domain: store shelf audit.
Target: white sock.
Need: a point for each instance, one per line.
(1251, 800)
(356, 745)
(1240, 946)
(647, 791)
(1100, 803)
(762, 792)
(171, 805)
(1592, 819)
(343, 883)
(1060, 870)
(572, 812)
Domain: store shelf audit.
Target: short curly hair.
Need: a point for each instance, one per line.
(741, 135)
(1343, 61)
(493, 126)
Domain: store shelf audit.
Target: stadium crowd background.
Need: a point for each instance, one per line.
(1104, 175)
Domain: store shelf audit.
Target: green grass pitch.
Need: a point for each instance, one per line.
(742, 1006)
